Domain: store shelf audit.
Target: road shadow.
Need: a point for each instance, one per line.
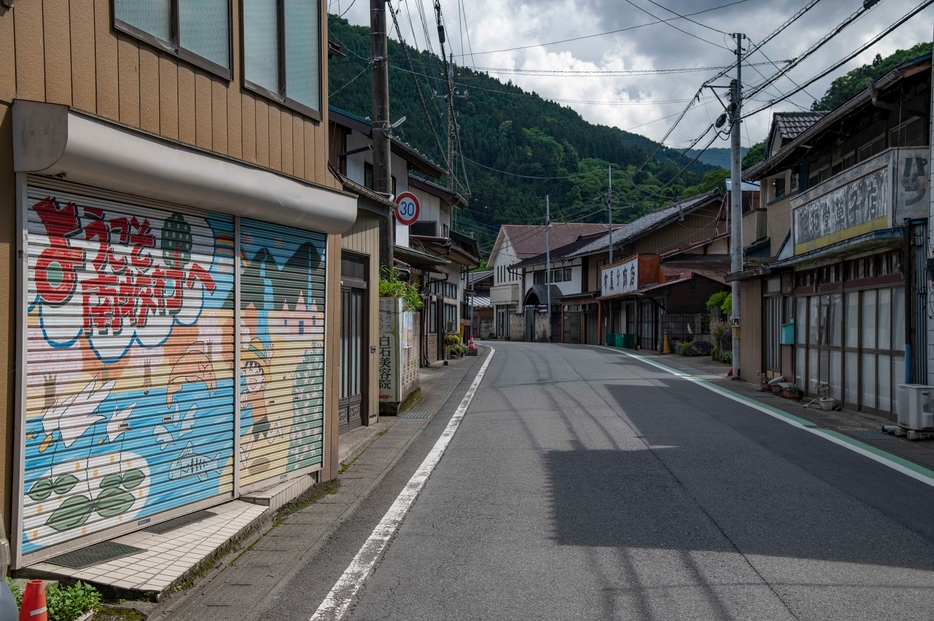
(714, 474)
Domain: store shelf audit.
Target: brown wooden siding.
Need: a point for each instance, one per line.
(696, 227)
(751, 318)
(363, 237)
(8, 282)
(67, 52)
(779, 223)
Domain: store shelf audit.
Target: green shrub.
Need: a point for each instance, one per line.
(391, 287)
(715, 352)
(717, 329)
(67, 604)
(723, 300)
(17, 594)
(683, 347)
(727, 357)
(452, 339)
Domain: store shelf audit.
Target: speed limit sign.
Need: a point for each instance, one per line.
(407, 208)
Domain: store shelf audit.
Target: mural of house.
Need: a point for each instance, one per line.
(173, 270)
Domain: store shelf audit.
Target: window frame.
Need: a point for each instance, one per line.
(173, 48)
(283, 99)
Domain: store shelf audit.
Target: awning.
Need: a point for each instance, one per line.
(54, 140)
(417, 259)
(870, 242)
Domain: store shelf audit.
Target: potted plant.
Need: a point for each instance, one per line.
(791, 391)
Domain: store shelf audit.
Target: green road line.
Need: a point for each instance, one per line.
(880, 452)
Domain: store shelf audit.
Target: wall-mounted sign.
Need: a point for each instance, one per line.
(850, 210)
(621, 278)
(407, 208)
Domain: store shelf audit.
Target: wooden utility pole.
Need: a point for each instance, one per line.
(382, 167)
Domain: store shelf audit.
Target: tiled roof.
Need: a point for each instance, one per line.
(559, 252)
(647, 223)
(791, 124)
(529, 240)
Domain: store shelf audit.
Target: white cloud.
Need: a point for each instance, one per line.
(498, 25)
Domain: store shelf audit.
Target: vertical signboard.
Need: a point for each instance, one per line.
(390, 354)
(281, 388)
(129, 378)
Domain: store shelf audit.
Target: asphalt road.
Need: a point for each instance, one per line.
(583, 484)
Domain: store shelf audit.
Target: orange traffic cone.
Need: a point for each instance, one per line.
(33, 607)
(471, 347)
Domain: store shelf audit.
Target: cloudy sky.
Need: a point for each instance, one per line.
(513, 39)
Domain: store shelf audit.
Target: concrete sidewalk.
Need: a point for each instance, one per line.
(171, 558)
(861, 426)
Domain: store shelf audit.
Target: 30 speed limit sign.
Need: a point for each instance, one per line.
(407, 208)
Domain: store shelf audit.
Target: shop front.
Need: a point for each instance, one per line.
(173, 312)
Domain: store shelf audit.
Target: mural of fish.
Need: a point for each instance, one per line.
(190, 463)
(192, 366)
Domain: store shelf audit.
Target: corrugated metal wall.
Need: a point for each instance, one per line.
(281, 350)
(130, 363)
(751, 346)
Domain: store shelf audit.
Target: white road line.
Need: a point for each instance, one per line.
(918, 473)
(342, 594)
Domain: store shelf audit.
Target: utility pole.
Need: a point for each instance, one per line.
(609, 224)
(452, 127)
(736, 214)
(548, 258)
(382, 172)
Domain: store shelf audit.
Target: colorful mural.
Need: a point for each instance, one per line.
(129, 364)
(282, 350)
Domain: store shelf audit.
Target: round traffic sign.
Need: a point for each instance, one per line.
(407, 208)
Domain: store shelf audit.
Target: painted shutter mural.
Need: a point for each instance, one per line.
(281, 351)
(130, 370)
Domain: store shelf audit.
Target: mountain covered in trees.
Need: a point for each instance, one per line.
(549, 149)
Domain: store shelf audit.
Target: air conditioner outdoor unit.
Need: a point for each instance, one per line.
(914, 407)
(450, 329)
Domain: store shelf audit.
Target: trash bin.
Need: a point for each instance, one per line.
(611, 339)
(628, 341)
(619, 340)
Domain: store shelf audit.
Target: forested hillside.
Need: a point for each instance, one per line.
(844, 87)
(507, 129)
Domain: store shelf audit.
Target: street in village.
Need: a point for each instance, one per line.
(589, 483)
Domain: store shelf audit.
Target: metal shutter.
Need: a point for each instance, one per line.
(130, 364)
(282, 286)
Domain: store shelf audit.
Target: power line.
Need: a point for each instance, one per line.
(609, 32)
(848, 57)
(608, 72)
(668, 23)
(664, 8)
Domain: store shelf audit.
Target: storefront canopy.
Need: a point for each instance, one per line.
(54, 140)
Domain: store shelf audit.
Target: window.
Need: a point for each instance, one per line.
(908, 134)
(368, 175)
(429, 228)
(197, 31)
(281, 52)
(778, 188)
(873, 147)
(433, 317)
(450, 317)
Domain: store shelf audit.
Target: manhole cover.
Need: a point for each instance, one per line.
(868, 434)
(416, 415)
(185, 520)
(93, 555)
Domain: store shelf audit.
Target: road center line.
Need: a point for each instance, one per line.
(342, 594)
(903, 466)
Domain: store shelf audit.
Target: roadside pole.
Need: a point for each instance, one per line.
(548, 259)
(736, 214)
(382, 173)
(609, 225)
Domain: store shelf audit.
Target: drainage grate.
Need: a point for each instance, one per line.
(416, 415)
(185, 520)
(94, 555)
(868, 434)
